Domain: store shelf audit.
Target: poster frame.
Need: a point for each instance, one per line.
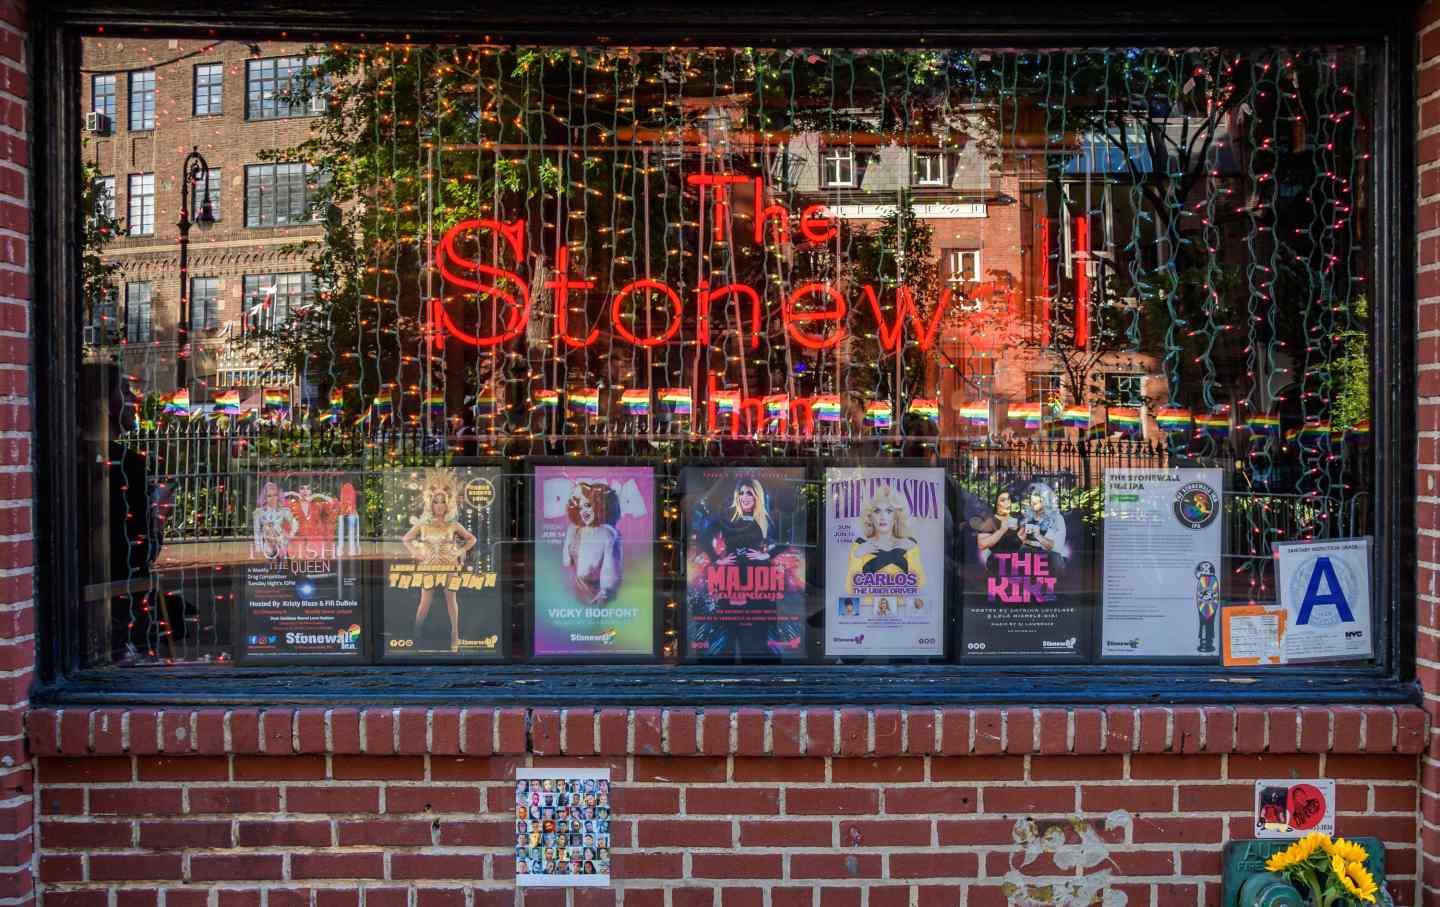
(364, 572)
(814, 576)
(506, 521)
(525, 539)
(949, 626)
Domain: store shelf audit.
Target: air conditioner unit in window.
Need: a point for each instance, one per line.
(97, 123)
(98, 335)
(317, 103)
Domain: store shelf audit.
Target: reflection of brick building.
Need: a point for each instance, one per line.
(150, 102)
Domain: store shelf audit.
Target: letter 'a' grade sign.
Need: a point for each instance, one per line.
(1325, 589)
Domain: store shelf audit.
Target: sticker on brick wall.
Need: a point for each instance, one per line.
(1292, 809)
(562, 827)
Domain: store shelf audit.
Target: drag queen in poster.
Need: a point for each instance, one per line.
(439, 544)
(885, 546)
(592, 553)
(275, 525)
(1042, 527)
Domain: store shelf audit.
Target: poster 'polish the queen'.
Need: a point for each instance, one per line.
(884, 562)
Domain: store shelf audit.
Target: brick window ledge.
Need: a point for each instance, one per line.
(845, 732)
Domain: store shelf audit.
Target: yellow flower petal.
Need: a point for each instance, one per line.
(1349, 851)
(1358, 881)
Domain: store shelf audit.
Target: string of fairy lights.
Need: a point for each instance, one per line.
(1201, 206)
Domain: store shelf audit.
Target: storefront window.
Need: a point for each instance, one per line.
(575, 356)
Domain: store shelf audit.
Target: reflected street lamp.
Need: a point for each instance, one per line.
(192, 172)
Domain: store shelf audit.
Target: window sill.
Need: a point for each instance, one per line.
(846, 732)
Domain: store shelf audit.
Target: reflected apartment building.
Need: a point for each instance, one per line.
(147, 104)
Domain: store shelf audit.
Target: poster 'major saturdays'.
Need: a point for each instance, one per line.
(884, 562)
(594, 570)
(442, 529)
(746, 535)
(300, 591)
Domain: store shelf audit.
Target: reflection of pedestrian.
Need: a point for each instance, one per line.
(1207, 602)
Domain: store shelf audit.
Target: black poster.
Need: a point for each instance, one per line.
(300, 592)
(443, 528)
(747, 531)
(1029, 566)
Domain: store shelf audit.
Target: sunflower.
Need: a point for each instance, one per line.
(1298, 852)
(1357, 880)
(1349, 851)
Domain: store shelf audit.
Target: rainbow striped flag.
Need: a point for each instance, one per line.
(777, 410)
(1075, 416)
(1173, 419)
(176, 403)
(826, 408)
(227, 403)
(635, 401)
(727, 403)
(435, 400)
(977, 414)
(275, 398)
(879, 414)
(677, 400)
(1125, 419)
(545, 398)
(1360, 431)
(484, 404)
(1216, 423)
(1314, 431)
(364, 418)
(1262, 424)
(382, 406)
(925, 409)
(585, 400)
(1026, 413)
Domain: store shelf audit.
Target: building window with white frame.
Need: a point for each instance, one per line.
(929, 168)
(142, 100)
(1124, 388)
(141, 198)
(837, 167)
(139, 314)
(962, 266)
(209, 89)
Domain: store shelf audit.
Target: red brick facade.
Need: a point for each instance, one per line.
(720, 808)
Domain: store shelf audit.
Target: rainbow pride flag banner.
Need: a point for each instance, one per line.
(1261, 424)
(676, 401)
(635, 401)
(176, 403)
(227, 403)
(1075, 417)
(1173, 419)
(976, 414)
(585, 400)
(1360, 431)
(275, 398)
(777, 410)
(727, 403)
(879, 414)
(1216, 423)
(484, 404)
(1027, 414)
(925, 409)
(545, 398)
(382, 407)
(1124, 419)
(1310, 432)
(435, 400)
(826, 408)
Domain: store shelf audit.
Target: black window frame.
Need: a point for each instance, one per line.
(257, 197)
(111, 96)
(1390, 34)
(205, 309)
(279, 109)
(214, 92)
(144, 328)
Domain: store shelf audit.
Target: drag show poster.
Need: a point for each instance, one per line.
(746, 535)
(1025, 558)
(300, 590)
(1162, 582)
(594, 560)
(443, 528)
(884, 562)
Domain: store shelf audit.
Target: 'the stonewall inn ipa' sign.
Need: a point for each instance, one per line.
(884, 562)
(300, 595)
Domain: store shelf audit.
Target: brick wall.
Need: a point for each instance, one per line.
(1427, 581)
(848, 808)
(17, 619)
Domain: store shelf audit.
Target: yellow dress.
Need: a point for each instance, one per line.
(437, 542)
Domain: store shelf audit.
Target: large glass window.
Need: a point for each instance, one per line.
(141, 199)
(204, 303)
(102, 98)
(209, 89)
(142, 100)
(139, 317)
(588, 362)
(283, 87)
(278, 195)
